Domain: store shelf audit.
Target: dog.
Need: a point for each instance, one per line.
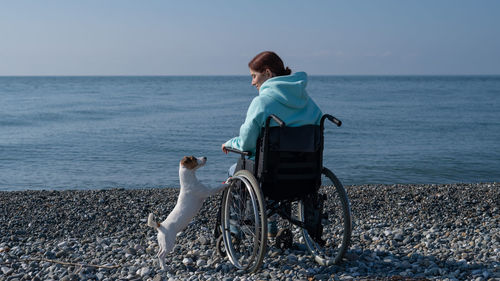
(191, 197)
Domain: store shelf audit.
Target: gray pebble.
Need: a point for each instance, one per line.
(7, 270)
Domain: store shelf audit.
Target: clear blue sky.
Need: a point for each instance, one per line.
(121, 37)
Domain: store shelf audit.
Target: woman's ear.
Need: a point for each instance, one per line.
(269, 73)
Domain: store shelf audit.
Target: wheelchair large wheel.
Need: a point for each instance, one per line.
(336, 221)
(244, 222)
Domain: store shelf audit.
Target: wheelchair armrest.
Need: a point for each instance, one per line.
(244, 153)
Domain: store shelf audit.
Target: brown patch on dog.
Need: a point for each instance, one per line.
(189, 162)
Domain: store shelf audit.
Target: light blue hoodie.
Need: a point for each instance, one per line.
(283, 96)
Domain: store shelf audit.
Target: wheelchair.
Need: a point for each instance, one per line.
(285, 178)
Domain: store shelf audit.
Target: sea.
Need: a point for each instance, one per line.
(60, 133)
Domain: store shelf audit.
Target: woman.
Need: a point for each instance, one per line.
(280, 93)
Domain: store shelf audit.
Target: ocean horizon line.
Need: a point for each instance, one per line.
(244, 75)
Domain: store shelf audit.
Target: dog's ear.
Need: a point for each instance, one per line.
(189, 162)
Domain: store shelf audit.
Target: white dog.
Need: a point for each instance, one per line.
(191, 197)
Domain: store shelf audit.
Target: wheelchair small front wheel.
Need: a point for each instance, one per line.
(244, 222)
(219, 246)
(331, 240)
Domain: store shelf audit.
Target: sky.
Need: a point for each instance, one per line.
(356, 37)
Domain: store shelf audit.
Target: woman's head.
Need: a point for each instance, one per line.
(266, 65)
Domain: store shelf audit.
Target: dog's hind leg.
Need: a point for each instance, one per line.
(166, 242)
(162, 254)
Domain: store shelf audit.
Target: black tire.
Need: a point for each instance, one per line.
(244, 222)
(337, 227)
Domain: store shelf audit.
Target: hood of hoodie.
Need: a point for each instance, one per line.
(290, 90)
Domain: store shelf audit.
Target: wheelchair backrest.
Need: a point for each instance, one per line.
(289, 161)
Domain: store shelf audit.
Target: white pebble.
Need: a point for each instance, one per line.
(187, 261)
(144, 271)
(201, 263)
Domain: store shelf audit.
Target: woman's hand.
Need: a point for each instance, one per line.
(224, 148)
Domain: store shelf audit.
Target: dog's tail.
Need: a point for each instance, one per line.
(151, 222)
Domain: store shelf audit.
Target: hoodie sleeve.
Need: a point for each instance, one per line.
(250, 130)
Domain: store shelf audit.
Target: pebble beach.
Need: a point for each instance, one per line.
(400, 232)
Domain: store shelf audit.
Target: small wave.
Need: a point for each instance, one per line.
(15, 123)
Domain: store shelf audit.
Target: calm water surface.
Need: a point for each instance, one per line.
(131, 132)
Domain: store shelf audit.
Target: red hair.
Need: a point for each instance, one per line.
(269, 60)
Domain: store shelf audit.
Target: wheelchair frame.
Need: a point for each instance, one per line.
(243, 236)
